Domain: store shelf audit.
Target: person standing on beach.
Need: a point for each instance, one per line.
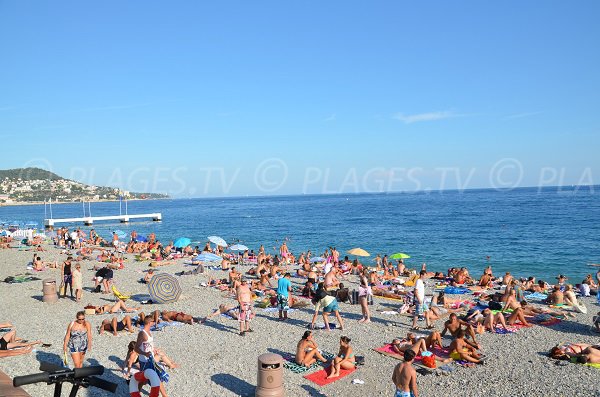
(405, 376)
(67, 277)
(78, 339)
(284, 287)
(244, 298)
(419, 298)
(77, 282)
(364, 290)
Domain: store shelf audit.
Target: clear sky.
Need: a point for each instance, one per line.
(225, 98)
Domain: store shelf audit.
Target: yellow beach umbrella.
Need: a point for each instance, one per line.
(358, 252)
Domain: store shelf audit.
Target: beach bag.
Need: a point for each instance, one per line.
(61, 289)
(354, 297)
(359, 360)
(429, 361)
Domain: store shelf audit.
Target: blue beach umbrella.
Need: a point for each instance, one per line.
(238, 247)
(120, 233)
(182, 242)
(208, 257)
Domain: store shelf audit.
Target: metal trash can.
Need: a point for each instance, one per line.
(49, 290)
(269, 382)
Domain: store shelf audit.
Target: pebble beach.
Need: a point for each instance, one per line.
(216, 361)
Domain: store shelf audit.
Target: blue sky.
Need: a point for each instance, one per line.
(252, 98)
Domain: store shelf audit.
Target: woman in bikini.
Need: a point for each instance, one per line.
(10, 345)
(582, 352)
(344, 359)
(78, 339)
(307, 351)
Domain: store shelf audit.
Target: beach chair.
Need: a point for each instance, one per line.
(119, 295)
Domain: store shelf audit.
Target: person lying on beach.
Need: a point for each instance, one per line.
(344, 358)
(582, 352)
(118, 306)
(529, 310)
(155, 315)
(307, 350)
(177, 316)
(113, 325)
(229, 310)
(461, 349)
(486, 319)
(10, 345)
(454, 325)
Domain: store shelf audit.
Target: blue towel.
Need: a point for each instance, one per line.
(456, 290)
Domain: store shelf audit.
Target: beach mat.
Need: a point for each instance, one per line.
(597, 366)
(386, 350)
(20, 278)
(320, 377)
(291, 364)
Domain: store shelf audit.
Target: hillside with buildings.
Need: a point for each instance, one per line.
(26, 185)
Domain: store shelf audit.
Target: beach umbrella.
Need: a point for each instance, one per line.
(217, 240)
(120, 233)
(208, 257)
(358, 252)
(317, 259)
(399, 255)
(182, 242)
(164, 288)
(238, 247)
(142, 239)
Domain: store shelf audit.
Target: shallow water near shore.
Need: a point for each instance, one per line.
(539, 232)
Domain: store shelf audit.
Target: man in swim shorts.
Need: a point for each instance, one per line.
(405, 377)
(244, 298)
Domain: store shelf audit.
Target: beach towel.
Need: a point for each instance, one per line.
(546, 320)
(386, 350)
(597, 366)
(501, 331)
(20, 278)
(536, 296)
(276, 310)
(322, 326)
(320, 377)
(456, 290)
(291, 364)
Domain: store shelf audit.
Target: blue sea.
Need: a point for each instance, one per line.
(525, 231)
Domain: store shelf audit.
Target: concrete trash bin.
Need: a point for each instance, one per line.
(269, 382)
(49, 290)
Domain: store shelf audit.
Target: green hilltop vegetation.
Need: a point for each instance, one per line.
(22, 185)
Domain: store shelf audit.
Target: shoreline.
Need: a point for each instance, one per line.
(27, 203)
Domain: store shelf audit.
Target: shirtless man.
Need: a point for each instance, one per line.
(307, 351)
(461, 349)
(405, 377)
(331, 281)
(115, 326)
(244, 298)
(454, 325)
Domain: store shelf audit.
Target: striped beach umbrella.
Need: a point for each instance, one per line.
(164, 288)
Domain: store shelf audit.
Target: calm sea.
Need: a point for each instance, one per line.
(524, 231)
